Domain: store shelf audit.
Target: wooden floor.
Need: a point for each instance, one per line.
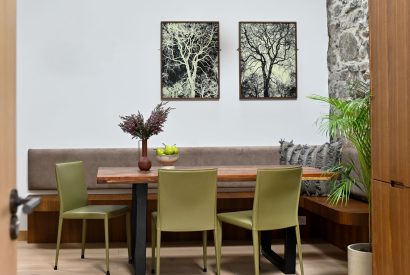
(38, 259)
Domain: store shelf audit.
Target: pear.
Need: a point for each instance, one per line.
(160, 152)
(175, 148)
(168, 150)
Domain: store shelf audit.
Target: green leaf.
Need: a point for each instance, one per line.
(349, 119)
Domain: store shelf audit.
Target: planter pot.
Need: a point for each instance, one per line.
(359, 259)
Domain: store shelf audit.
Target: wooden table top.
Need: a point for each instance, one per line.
(132, 175)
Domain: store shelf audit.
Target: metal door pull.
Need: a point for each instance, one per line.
(28, 203)
(396, 184)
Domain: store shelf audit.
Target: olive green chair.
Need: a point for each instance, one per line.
(72, 192)
(275, 206)
(186, 203)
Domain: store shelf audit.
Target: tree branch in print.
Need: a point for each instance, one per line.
(268, 59)
(190, 59)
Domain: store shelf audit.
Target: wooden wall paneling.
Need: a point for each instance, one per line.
(393, 78)
(379, 73)
(42, 225)
(391, 227)
(343, 235)
(399, 77)
(400, 228)
(390, 76)
(382, 253)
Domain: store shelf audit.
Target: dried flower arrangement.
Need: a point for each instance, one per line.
(135, 125)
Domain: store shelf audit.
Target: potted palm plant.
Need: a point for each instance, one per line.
(349, 119)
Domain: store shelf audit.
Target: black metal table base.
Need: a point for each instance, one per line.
(288, 263)
(138, 224)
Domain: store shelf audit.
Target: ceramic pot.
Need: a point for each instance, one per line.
(144, 164)
(359, 259)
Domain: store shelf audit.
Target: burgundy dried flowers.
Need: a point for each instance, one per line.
(135, 126)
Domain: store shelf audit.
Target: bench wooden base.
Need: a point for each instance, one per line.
(339, 225)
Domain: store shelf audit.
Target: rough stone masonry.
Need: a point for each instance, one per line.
(348, 51)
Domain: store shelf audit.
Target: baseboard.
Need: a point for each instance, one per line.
(22, 235)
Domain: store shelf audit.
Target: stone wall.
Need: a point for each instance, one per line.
(348, 52)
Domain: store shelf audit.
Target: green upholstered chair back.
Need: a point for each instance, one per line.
(71, 186)
(276, 198)
(186, 200)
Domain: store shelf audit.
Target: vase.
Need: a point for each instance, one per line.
(144, 164)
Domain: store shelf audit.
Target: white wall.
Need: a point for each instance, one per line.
(82, 63)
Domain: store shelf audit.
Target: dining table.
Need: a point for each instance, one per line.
(140, 179)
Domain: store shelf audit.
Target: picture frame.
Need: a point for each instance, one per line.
(190, 60)
(267, 60)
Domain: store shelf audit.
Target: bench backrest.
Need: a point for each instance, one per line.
(41, 162)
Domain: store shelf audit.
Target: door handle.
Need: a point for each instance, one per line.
(396, 184)
(28, 203)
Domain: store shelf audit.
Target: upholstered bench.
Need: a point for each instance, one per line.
(231, 195)
(41, 163)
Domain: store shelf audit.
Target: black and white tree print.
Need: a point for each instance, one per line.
(190, 60)
(268, 60)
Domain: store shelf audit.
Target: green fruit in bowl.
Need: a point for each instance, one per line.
(168, 150)
(160, 152)
(175, 149)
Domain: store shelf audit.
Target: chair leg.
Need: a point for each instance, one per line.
(158, 258)
(204, 246)
(218, 244)
(107, 248)
(83, 236)
(299, 249)
(60, 228)
(128, 230)
(255, 238)
(260, 249)
(153, 244)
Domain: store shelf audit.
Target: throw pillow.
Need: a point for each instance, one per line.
(319, 156)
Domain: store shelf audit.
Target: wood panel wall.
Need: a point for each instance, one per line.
(380, 129)
(390, 84)
(390, 78)
(43, 227)
(391, 221)
(398, 37)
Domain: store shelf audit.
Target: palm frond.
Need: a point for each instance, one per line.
(350, 119)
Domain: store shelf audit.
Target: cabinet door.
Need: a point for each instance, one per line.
(381, 227)
(399, 89)
(380, 134)
(391, 229)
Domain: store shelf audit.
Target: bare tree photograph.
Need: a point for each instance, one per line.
(189, 60)
(267, 60)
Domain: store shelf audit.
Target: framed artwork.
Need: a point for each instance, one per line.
(189, 60)
(267, 60)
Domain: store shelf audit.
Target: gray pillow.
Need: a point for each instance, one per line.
(284, 149)
(319, 156)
